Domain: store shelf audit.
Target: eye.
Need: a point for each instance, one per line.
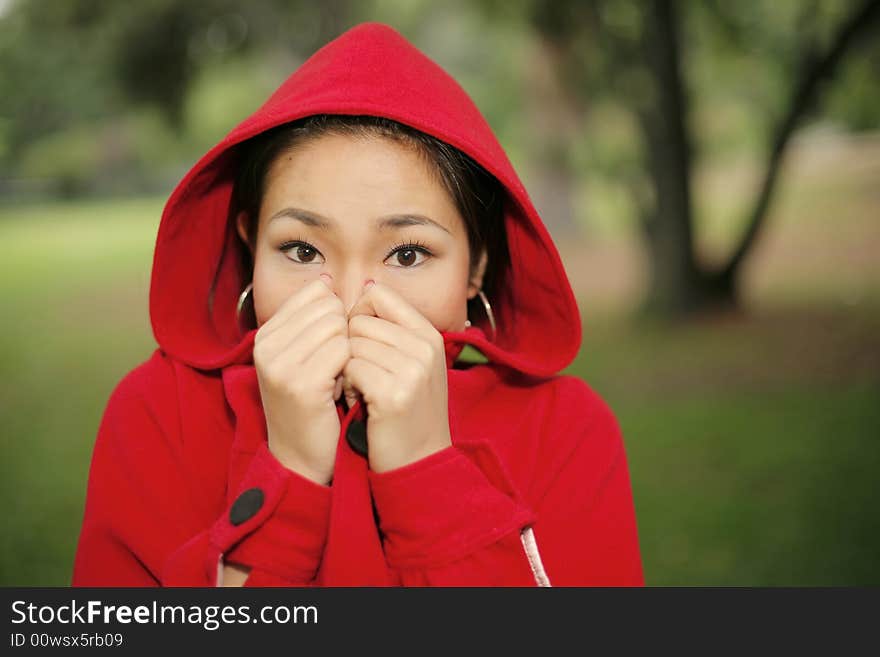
(303, 252)
(406, 256)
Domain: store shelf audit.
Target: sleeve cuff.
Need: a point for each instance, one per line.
(277, 522)
(442, 508)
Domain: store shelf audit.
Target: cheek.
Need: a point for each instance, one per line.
(273, 285)
(441, 297)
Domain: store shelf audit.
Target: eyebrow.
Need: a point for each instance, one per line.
(390, 221)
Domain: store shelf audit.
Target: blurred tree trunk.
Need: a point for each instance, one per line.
(554, 120)
(679, 284)
(640, 55)
(154, 55)
(814, 69)
(662, 112)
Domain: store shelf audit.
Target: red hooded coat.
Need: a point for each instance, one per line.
(534, 489)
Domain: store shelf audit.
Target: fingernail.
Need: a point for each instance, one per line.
(369, 284)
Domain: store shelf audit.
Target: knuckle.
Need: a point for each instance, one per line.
(352, 366)
(341, 323)
(293, 386)
(337, 304)
(341, 344)
(258, 354)
(273, 375)
(356, 322)
(399, 399)
(417, 372)
(328, 303)
(427, 352)
(329, 319)
(260, 337)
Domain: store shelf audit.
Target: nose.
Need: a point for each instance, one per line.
(348, 287)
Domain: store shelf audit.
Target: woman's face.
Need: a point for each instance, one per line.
(360, 209)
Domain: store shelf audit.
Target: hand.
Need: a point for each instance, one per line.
(298, 354)
(398, 365)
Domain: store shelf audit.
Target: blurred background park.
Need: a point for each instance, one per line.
(709, 170)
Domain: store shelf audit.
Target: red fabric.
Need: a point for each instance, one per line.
(183, 434)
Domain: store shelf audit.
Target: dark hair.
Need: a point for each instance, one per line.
(477, 194)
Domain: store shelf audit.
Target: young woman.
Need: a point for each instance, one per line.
(307, 418)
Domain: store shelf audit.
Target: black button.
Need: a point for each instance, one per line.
(246, 506)
(356, 435)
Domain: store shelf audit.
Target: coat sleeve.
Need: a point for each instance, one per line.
(455, 518)
(143, 525)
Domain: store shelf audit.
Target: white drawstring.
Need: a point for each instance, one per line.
(531, 547)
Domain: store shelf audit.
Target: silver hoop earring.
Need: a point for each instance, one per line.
(489, 314)
(241, 300)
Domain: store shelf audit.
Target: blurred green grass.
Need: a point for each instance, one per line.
(752, 440)
(74, 282)
(752, 446)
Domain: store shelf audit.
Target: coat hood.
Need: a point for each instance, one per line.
(370, 69)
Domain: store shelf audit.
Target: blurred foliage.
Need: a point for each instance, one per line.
(155, 83)
(667, 65)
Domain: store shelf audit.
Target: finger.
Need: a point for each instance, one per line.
(369, 379)
(301, 322)
(351, 393)
(362, 305)
(384, 302)
(285, 335)
(311, 292)
(301, 348)
(302, 298)
(394, 335)
(380, 354)
(329, 358)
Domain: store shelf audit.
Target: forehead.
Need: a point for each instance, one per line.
(340, 174)
(353, 183)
